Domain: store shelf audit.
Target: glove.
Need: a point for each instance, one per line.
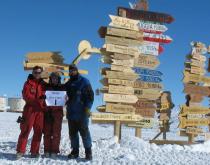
(87, 112)
(20, 119)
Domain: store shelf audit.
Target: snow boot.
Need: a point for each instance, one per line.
(47, 155)
(35, 155)
(88, 153)
(19, 155)
(74, 154)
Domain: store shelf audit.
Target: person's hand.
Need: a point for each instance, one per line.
(88, 112)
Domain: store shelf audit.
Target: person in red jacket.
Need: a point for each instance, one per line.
(53, 120)
(33, 113)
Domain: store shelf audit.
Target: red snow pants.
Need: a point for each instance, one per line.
(52, 131)
(32, 119)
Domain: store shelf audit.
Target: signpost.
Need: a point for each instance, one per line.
(151, 27)
(160, 38)
(149, 72)
(144, 123)
(118, 98)
(146, 61)
(149, 79)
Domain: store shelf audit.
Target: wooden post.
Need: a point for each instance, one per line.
(117, 130)
(190, 138)
(138, 132)
(164, 129)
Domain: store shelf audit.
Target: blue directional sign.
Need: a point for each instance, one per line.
(149, 79)
(143, 71)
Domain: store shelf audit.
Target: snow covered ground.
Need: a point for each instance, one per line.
(131, 150)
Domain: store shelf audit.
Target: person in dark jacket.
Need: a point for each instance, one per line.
(33, 113)
(80, 100)
(53, 119)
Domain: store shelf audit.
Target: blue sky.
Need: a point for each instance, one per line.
(59, 25)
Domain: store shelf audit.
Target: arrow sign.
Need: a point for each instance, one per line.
(121, 90)
(149, 79)
(121, 68)
(193, 110)
(197, 90)
(157, 38)
(150, 48)
(193, 122)
(149, 72)
(103, 31)
(147, 85)
(119, 108)
(127, 63)
(144, 123)
(147, 61)
(118, 98)
(150, 27)
(145, 15)
(121, 75)
(124, 23)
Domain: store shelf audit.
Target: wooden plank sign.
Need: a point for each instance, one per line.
(197, 63)
(144, 123)
(122, 41)
(119, 98)
(151, 27)
(196, 98)
(195, 116)
(193, 110)
(121, 90)
(199, 50)
(138, 35)
(120, 75)
(164, 106)
(133, 51)
(193, 122)
(121, 82)
(115, 117)
(157, 38)
(195, 78)
(127, 63)
(193, 130)
(150, 48)
(149, 94)
(145, 104)
(147, 85)
(124, 23)
(199, 57)
(120, 108)
(195, 70)
(149, 79)
(118, 56)
(145, 15)
(146, 61)
(149, 112)
(122, 68)
(149, 72)
(196, 90)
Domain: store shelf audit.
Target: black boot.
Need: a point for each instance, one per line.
(74, 154)
(88, 153)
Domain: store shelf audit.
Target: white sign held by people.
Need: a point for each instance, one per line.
(55, 98)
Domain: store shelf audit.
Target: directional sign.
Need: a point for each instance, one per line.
(138, 35)
(193, 122)
(147, 85)
(149, 94)
(122, 68)
(196, 70)
(199, 50)
(145, 104)
(118, 98)
(157, 38)
(149, 79)
(193, 110)
(115, 117)
(120, 82)
(120, 108)
(199, 57)
(195, 78)
(150, 48)
(195, 89)
(149, 112)
(121, 75)
(122, 41)
(196, 98)
(133, 51)
(144, 123)
(151, 27)
(196, 116)
(164, 106)
(145, 15)
(143, 71)
(118, 56)
(124, 23)
(127, 63)
(197, 63)
(121, 90)
(145, 61)
(193, 130)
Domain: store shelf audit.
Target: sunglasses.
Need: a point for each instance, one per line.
(37, 72)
